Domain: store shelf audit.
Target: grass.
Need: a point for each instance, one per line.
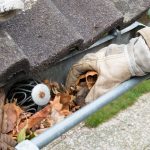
(118, 105)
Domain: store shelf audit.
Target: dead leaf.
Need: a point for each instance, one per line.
(64, 102)
(53, 86)
(36, 118)
(5, 146)
(56, 103)
(10, 117)
(83, 84)
(91, 77)
(65, 98)
(46, 123)
(4, 138)
(81, 79)
(88, 79)
(2, 100)
(56, 116)
(60, 107)
(65, 112)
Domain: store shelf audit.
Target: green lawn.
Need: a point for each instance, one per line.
(116, 106)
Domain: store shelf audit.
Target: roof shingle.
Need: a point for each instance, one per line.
(43, 34)
(12, 59)
(91, 18)
(131, 9)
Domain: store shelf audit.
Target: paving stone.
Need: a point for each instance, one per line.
(92, 18)
(43, 33)
(132, 9)
(12, 59)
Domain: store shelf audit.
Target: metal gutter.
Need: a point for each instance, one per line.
(77, 117)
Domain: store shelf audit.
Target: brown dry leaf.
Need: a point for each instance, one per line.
(55, 91)
(2, 99)
(56, 116)
(65, 98)
(60, 107)
(25, 115)
(88, 79)
(51, 84)
(73, 107)
(5, 146)
(91, 73)
(83, 84)
(91, 77)
(36, 118)
(10, 117)
(65, 112)
(46, 123)
(63, 89)
(56, 103)
(46, 82)
(4, 138)
(54, 86)
(61, 104)
(80, 79)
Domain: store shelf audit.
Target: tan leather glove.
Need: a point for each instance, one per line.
(114, 64)
(9, 8)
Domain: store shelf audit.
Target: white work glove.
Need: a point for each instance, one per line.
(9, 8)
(114, 64)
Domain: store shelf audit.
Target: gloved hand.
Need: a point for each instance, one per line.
(114, 64)
(9, 8)
(6, 142)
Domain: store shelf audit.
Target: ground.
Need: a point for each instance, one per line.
(129, 130)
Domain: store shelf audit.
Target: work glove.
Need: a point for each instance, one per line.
(6, 142)
(9, 8)
(114, 64)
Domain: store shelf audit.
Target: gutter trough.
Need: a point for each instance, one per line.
(57, 130)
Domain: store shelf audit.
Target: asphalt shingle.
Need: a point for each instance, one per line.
(12, 59)
(91, 18)
(43, 33)
(52, 28)
(131, 9)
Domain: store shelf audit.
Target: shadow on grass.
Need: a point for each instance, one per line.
(119, 104)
